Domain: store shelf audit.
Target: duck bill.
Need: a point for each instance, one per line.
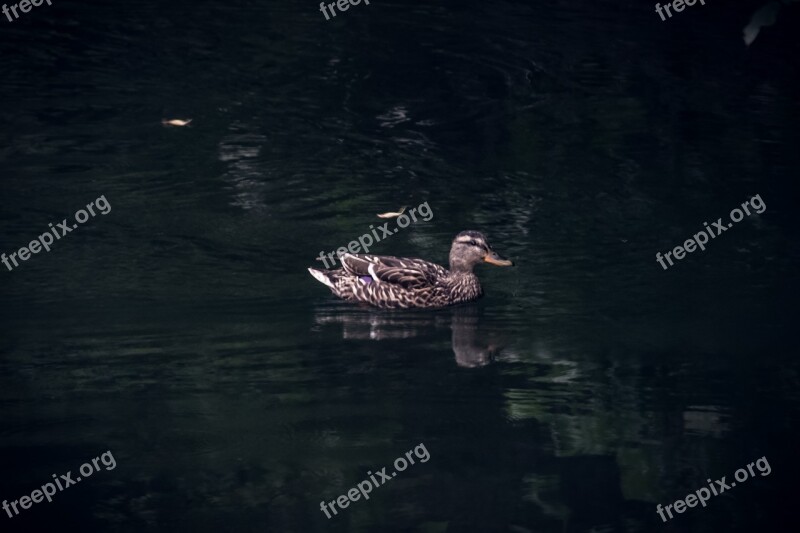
(495, 259)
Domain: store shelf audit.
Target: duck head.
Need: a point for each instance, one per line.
(469, 249)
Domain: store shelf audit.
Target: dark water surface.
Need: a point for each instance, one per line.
(182, 333)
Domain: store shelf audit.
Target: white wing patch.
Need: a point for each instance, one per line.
(371, 270)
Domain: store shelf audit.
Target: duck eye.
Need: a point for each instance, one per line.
(473, 243)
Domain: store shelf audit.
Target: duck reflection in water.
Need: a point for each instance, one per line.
(473, 345)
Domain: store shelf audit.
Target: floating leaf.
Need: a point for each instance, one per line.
(176, 122)
(766, 16)
(391, 214)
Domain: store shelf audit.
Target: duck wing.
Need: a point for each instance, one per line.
(402, 271)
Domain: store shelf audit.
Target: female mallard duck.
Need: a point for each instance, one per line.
(385, 281)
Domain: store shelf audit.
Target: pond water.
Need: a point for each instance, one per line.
(182, 332)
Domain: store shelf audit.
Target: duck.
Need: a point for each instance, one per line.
(401, 282)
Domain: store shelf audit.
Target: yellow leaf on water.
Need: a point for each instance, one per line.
(176, 122)
(391, 214)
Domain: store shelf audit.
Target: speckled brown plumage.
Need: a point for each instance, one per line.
(399, 282)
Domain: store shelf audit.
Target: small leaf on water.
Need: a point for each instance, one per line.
(176, 122)
(392, 214)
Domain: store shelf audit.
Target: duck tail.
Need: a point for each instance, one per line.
(323, 277)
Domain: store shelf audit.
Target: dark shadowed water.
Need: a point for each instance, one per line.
(182, 333)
